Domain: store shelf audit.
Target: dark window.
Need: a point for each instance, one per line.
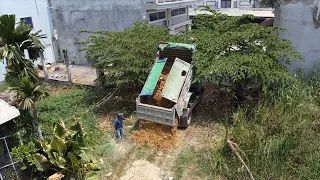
(157, 16)
(176, 12)
(161, 15)
(153, 16)
(182, 11)
(27, 21)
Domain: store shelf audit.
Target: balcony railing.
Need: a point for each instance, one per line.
(165, 4)
(170, 1)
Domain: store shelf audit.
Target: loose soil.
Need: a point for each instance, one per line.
(156, 135)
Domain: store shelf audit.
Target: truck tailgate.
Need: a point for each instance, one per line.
(155, 114)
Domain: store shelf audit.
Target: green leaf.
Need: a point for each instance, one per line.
(73, 159)
(41, 162)
(46, 147)
(74, 145)
(58, 146)
(77, 127)
(60, 130)
(92, 167)
(58, 160)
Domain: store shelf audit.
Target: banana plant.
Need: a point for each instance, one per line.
(65, 154)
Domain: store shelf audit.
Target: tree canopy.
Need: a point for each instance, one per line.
(234, 49)
(127, 57)
(229, 49)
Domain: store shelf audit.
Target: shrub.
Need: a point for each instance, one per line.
(64, 154)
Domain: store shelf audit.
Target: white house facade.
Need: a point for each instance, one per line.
(37, 14)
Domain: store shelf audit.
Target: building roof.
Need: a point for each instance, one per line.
(7, 112)
(257, 12)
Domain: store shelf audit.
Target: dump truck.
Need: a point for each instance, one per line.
(173, 64)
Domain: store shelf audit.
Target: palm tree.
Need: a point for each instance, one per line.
(29, 93)
(14, 39)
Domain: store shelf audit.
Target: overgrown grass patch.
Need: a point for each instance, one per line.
(278, 139)
(184, 161)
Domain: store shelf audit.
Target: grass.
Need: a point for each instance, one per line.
(183, 162)
(3, 86)
(278, 139)
(74, 103)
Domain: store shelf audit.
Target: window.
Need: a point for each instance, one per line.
(176, 12)
(27, 21)
(157, 16)
(161, 15)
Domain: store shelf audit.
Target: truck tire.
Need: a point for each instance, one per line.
(185, 121)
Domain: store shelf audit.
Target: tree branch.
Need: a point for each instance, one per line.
(230, 143)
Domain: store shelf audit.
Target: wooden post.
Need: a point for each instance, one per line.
(230, 143)
(44, 67)
(66, 59)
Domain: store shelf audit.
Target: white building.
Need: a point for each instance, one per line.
(36, 13)
(218, 4)
(73, 16)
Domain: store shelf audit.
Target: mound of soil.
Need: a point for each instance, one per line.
(156, 135)
(141, 169)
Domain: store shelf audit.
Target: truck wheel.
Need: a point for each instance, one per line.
(185, 122)
(189, 118)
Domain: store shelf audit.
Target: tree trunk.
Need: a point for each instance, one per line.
(36, 120)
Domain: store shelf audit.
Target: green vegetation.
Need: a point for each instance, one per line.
(64, 154)
(278, 138)
(233, 51)
(3, 87)
(29, 94)
(74, 104)
(184, 161)
(14, 39)
(126, 57)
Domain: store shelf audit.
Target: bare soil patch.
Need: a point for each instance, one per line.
(142, 169)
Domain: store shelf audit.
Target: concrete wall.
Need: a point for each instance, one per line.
(2, 70)
(73, 16)
(38, 11)
(179, 19)
(297, 18)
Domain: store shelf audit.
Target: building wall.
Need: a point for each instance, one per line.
(179, 19)
(2, 71)
(298, 19)
(73, 16)
(38, 11)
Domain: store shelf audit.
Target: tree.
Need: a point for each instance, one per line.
(29, 93)
(14, 39)
(126, 57)
(234, 50)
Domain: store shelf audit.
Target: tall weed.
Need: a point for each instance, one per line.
(278, 139)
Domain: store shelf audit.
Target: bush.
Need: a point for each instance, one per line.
(64, 154)
(23, 154)
(279, 138)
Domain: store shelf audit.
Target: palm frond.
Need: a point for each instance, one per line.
(28, 92)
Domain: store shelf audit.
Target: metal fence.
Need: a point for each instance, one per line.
(8, 167)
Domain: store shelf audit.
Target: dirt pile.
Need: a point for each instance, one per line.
(156, 99)
(156, 135)
(141, 169)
